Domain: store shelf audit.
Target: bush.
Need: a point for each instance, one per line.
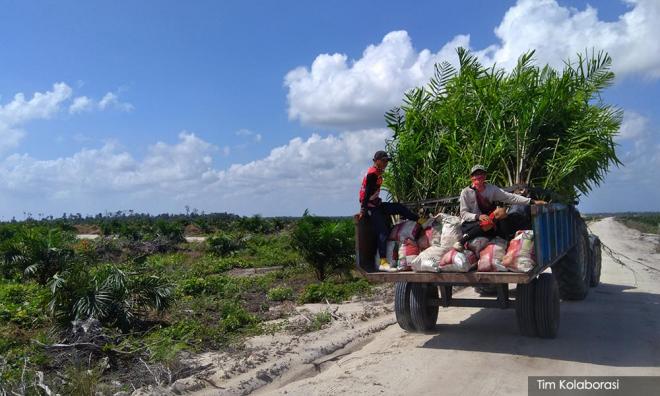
(333, 292)
(37, 252)
(319, 320)
(115, 297)
(328, 246)
(223, 244)
(280, 294)
(22, 303)
(219, 285)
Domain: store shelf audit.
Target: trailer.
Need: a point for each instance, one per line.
(567, 265)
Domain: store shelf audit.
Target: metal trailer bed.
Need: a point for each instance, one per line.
(560, 241)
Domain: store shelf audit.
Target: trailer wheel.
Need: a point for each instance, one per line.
(547, 306)
(402, 305)
(596, 260)
(423, 315)
(525, 297)
(573, 272)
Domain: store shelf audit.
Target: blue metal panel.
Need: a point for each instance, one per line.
(553, 231)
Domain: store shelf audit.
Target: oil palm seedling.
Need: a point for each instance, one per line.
(532, 125)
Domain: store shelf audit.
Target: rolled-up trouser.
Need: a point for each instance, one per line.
(379, 221)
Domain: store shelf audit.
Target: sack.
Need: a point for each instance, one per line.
(451, 231)
(477, 244)
(429, 259)
(490, 258)
(408, 251)
(454, 261)
(406, 229)
(520, 254)
(425, 237)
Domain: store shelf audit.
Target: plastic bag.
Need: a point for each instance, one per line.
(408, 251)
(477, 244)
(425, 237)
(451, 231)
(490, 257)
(454, 261)
(520, 254)
(429, 259)
(404, 230)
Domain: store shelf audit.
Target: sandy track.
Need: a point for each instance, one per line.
(615, 331)
(472, 351)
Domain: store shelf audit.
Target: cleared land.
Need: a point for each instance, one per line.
(615, 331)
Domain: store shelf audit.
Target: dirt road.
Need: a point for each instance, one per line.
(615, 331)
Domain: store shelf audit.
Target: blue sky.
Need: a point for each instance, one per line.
(271, 107)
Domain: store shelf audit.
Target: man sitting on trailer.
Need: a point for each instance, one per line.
(372, 206)
(479, 214)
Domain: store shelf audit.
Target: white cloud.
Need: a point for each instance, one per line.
(80, 104)
(320, 173)
(347, 94)
(558, 33)
(253, 136)
(633, 186)
(166, 172)
(336, 92)
(112, 100)
(20, 111)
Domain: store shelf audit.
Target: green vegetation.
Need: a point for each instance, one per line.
(131, 303)
(280, 294)
(533, 125)
(334, 292)
(643, 222)
(328, 246)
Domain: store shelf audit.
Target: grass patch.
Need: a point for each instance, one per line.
(334, 292)
(318, 321)
(280, 294)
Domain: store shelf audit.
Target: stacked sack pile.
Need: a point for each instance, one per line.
(428, 248)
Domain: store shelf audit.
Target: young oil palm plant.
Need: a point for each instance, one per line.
(532, 125)
(37, 252)
(112, 295)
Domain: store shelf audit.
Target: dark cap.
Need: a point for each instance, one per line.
(381, 155)
(477, 168)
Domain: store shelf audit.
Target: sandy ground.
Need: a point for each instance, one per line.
(615, 331)
(190, 239)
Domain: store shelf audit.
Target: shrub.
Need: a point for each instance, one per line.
(37, 252)
(319, 320)
(110, 294)
(22, 303)
(333, 292)
(328, 246)
(223, 244)
(280, 294)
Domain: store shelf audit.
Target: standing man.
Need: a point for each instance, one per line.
(371, 205)
(479, 214)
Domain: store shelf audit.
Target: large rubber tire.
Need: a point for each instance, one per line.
(525, 298)
(597, 262)
(546, 306)
(573, 271)
(423, 315)
(402, 305)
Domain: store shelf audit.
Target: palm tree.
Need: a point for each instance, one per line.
(532, 125)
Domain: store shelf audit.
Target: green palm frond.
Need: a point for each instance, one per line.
(532, 125)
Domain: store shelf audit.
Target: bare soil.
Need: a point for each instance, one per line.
(472, 351)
